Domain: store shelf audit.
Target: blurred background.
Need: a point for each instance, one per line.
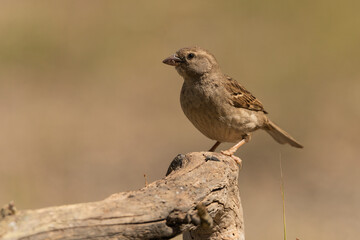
(87, 107)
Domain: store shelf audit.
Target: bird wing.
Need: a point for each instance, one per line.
(242, 98)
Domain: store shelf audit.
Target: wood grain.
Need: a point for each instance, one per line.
(161, 210)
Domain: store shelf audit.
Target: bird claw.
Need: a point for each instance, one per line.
(235, 158)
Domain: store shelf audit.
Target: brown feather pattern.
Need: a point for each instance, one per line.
(242, 98)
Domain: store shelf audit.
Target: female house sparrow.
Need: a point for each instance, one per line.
(217, 105)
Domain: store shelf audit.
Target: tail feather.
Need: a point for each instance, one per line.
(280, 135)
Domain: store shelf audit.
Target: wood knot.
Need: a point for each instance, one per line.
(206, 220)
(177, 217)
(8, 210)
(176, 163)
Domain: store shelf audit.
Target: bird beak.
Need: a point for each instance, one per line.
(173, 60)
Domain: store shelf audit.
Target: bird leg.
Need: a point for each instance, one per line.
(213, 148)
(230, 152)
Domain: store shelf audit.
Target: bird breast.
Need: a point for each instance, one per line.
(206, 106)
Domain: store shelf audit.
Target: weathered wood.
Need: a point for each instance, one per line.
(161, 210)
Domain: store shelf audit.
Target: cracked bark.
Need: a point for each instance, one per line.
(161, 210)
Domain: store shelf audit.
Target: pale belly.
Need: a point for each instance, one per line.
(217, 119)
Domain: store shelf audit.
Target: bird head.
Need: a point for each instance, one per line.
(192, 62)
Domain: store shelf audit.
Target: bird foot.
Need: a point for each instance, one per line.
(231, 154)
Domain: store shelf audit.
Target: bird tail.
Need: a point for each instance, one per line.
(280, 135)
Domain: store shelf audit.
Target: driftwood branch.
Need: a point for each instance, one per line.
(199, 197)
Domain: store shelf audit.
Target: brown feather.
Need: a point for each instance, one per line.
(242, 98)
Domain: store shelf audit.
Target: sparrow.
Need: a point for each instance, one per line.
(217, 105)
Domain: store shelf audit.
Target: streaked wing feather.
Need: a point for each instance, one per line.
(242, 98)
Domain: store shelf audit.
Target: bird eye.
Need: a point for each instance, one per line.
(190, 56)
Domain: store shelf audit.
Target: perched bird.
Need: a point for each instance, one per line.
(217, 105)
